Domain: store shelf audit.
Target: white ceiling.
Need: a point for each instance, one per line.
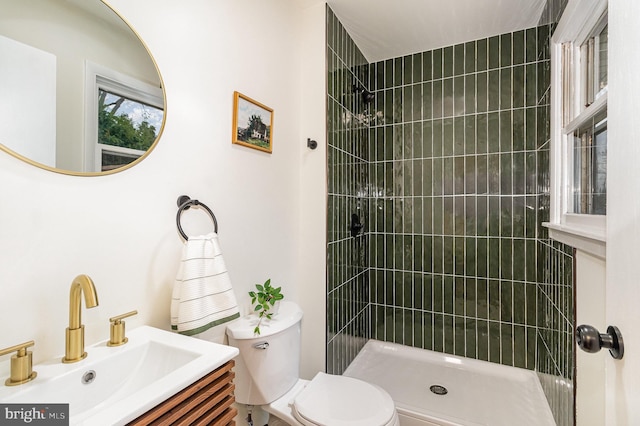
(384, 29)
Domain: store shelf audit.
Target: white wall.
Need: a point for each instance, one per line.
(312, 234)
(120, 229)
(590, 309)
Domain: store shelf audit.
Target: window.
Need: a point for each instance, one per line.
(593, 63)
(579, 83)
(589, 149)
(127, 127)
(124, 118)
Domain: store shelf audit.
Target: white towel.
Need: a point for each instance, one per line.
(202, 294)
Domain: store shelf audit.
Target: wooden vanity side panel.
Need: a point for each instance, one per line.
(206, 402)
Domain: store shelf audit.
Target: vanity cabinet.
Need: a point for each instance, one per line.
(206, 402)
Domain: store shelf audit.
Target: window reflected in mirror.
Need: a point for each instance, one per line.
(127, 128)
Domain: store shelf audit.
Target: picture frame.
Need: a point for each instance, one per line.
(252, 123)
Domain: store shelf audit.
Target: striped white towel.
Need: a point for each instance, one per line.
(202, 294)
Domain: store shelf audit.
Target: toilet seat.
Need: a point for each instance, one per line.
(343, 401)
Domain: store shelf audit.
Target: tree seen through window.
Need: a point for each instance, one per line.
(127, 123)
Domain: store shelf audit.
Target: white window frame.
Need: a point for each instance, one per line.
(101, 77)
(584, 232)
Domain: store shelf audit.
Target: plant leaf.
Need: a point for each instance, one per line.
(264, 299)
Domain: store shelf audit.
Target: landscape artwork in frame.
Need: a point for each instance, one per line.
(252, 123)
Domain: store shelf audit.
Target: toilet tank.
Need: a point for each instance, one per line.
(268, 364)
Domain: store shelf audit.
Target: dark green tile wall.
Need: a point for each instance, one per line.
(449, 167)
(556, 308)
(348, 325)
(457, 201)
(556, 297)
(556, 322)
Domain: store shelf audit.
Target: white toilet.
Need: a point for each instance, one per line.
(267, 376)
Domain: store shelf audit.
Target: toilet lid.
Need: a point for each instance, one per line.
(343, 401)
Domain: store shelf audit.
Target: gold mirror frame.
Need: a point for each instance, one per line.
(126, 166)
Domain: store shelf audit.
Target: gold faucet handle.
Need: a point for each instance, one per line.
(117, 333)
(21, 364)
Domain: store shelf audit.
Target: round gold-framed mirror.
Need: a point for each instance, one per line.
(80, 93)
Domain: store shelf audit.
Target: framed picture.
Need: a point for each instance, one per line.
(252, 123)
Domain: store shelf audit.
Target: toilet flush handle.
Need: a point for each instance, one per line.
(261, 345)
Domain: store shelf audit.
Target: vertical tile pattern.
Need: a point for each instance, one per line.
(457, 198)
(449, 168)
(556, 322)
(556, 274)
(347, 257)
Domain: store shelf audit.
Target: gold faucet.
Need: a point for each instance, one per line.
(116, 334)
(21, 364)
(74, 337)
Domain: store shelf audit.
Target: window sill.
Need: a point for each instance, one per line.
(589, 240)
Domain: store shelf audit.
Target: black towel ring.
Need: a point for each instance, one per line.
(185, 203)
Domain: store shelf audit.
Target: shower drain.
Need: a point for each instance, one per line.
(438, 390)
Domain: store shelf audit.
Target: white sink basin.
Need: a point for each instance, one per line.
(128, 380)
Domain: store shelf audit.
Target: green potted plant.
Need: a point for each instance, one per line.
(263, 301)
